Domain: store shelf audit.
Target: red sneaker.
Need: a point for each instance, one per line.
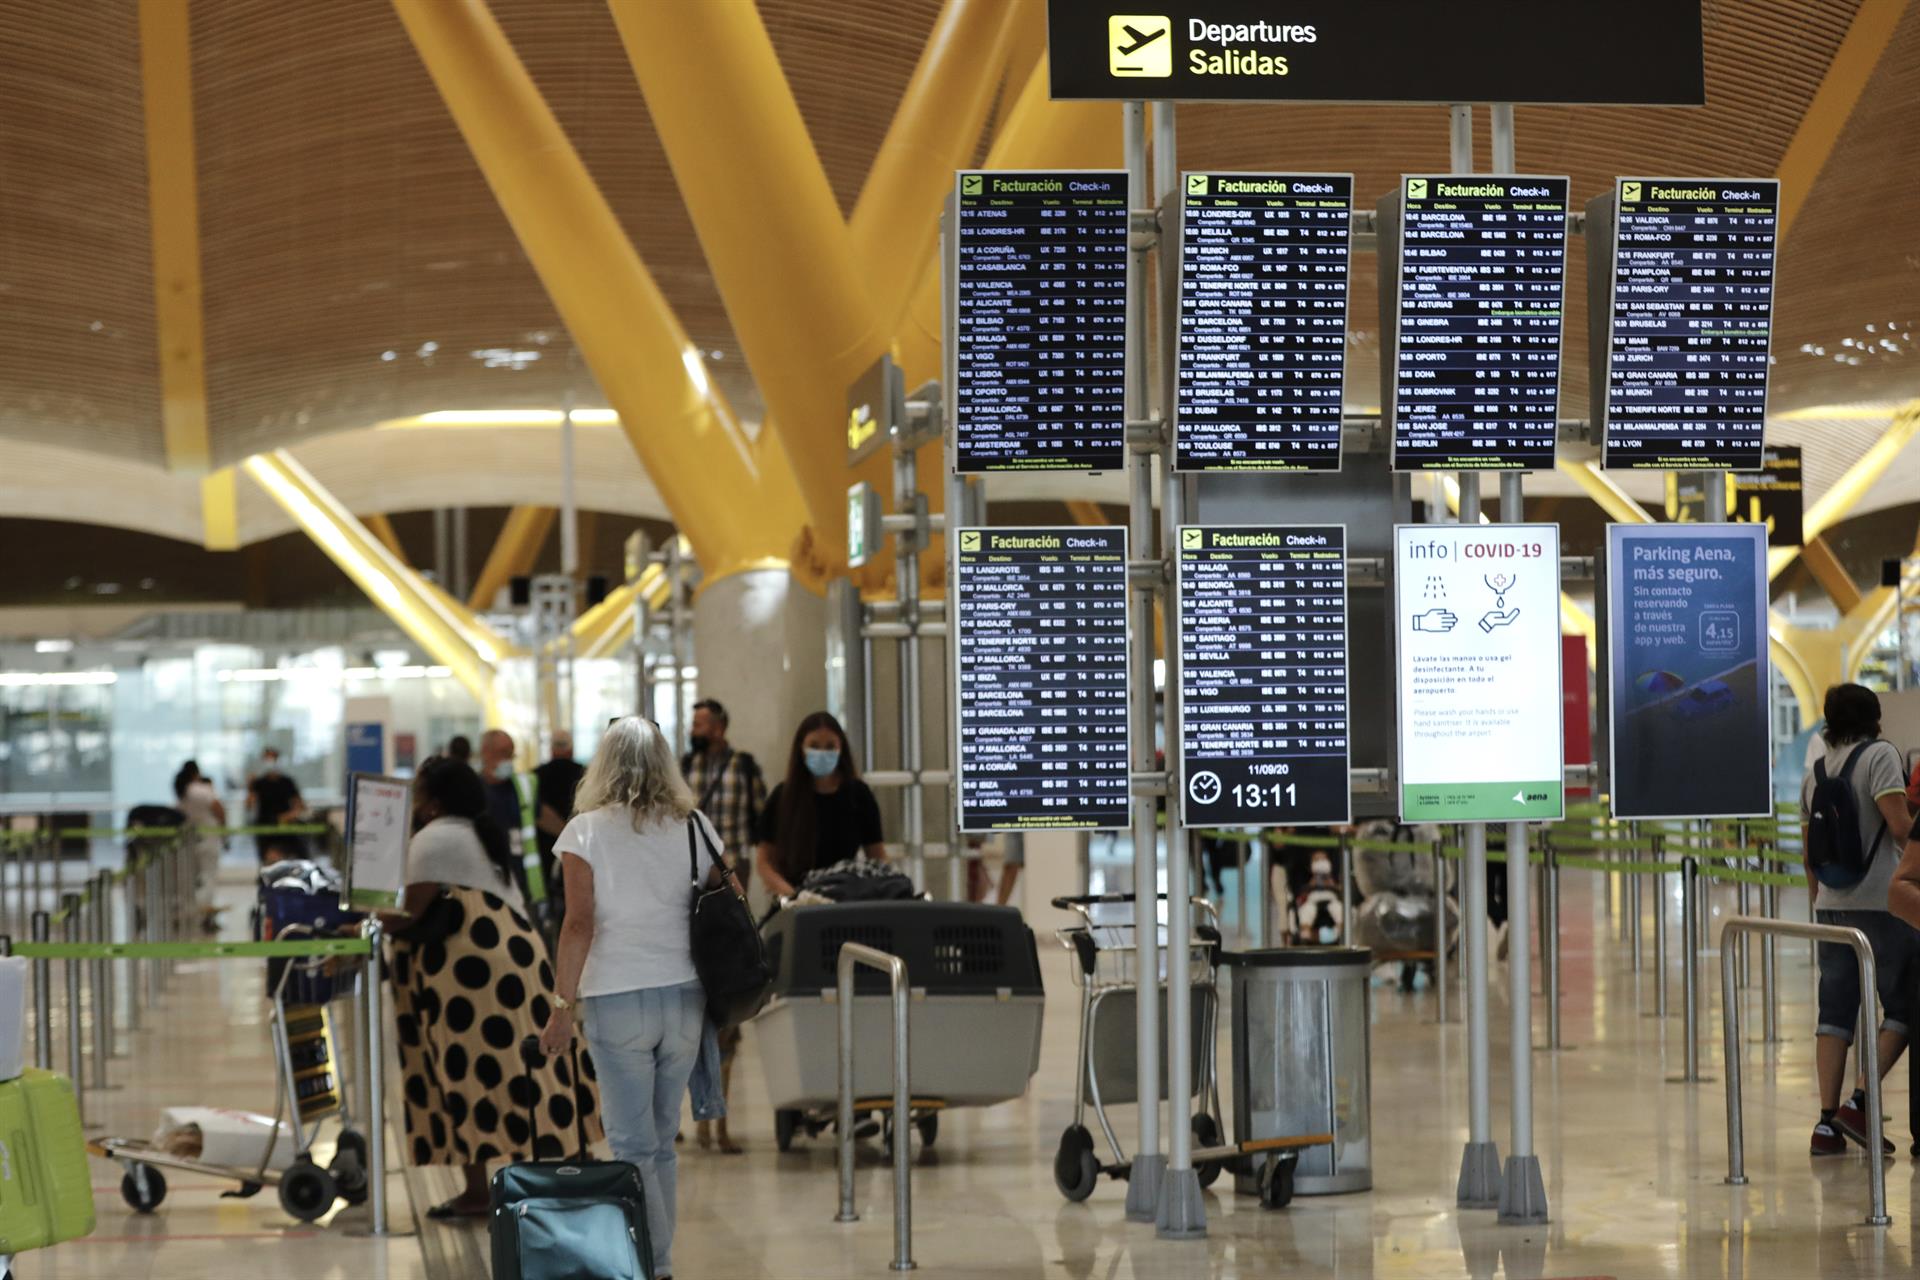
(1852, 1121)
(1827, 1141)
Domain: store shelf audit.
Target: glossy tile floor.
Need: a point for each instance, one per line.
(1633, 1164)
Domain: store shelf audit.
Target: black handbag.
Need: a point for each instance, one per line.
(727, 951)
(441, 920)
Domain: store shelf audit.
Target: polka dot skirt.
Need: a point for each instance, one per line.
(462, 1007)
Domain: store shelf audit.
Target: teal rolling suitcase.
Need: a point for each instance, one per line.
(46, 1191)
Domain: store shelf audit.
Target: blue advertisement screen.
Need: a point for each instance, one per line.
(1689, 682)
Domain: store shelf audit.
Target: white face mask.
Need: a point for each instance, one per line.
(1322, 867)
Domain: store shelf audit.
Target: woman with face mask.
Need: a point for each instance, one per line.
(821, 814)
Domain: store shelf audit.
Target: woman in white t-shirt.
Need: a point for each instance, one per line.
(625, 954)
(205, 814)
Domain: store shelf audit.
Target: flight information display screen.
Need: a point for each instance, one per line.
(1263, 321)
(1692, 322)
(1263, 675)
(1482, 281)
(1042, 636)
(1040, 264)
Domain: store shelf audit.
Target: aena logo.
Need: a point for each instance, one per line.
(1140, 44)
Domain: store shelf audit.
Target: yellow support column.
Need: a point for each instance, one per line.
(513, 554)
(772, 232)
(687, 438)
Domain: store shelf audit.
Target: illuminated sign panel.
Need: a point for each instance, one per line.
(1477, 611)
(1482, 272)
(1040, 291)
(1263, 676)
(1042, 661)
(1691, 323)
(1569, 51)
(1263, 321)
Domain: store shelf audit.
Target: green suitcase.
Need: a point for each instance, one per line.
(46, 1190)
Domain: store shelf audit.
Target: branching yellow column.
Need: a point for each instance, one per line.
(772, 232)
(685, 435)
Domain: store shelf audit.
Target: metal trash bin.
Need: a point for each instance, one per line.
(1300, 1060)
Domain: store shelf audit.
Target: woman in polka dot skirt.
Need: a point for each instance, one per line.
(471, 980)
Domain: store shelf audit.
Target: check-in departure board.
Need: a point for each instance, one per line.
(1040, 329)
(1692, 323)
(1263, 675)
(1482, 271)
(1263, 321)
(1042, 636)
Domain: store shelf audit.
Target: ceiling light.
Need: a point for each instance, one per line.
(53, 646)
(34, 679)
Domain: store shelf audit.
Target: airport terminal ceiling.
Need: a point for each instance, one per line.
(356, 268)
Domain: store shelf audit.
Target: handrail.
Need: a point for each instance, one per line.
(1869, 1046)
(852, 955)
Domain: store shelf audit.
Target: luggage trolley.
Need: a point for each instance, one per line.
(298, 900)
(1106, 972)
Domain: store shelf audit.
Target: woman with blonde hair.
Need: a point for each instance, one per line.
(625, 954)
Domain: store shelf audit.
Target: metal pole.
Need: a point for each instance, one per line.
(1550, 912)
(106, 985)
(1480, 1172)
(376, 1061)
(1660, 930)
(1263, 891)
(1523, 1190)
(907, 544)
(1769, 976)
(1241, 859)
(1743, 904)
(150, 923)
(1730, 1029)
(76, 1043)
(853, 954)
(92, 921)
(1690, 967)
(676, 631)
(42, 997)
(1346, 891)
(1182, 1214)
(1149, 1164)
(1634, 891)
(1440, 932)
(569, 511)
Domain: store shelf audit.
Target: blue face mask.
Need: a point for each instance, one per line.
(821, 763)
(502, 770)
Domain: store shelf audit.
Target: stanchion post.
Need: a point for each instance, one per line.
(1635, 905)
(1550, 962)
(1660, 929)
(76, 1043)
(1769, 976)
(375, 1067)
(1440, 932)
(1690, 968)
(1346, 890)
(92, 924)
(42, 995)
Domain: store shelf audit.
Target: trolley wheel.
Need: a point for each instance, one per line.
(1076, 1170)
(1206, 1133)
(1276, 1181)
(785, 1125)
(349, 1167)
(929, 1127)
(143, 1188)
(307, 1191)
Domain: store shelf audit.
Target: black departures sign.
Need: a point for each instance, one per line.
(1041, 329)
(1482, 288)
(1042, 641)
(1645, 52)
(1263, 321)
(1692, 323)
(1263, 676)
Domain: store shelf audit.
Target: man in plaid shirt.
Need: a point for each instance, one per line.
(728, 788)
(727, 785)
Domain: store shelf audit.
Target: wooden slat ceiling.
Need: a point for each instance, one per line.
(355, 261)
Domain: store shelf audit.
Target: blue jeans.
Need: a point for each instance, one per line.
(644, 1045)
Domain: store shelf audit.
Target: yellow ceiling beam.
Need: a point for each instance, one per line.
(654, 378)
(173, 219)
(1831, 575)
(1085, 512)
(608, 626)
(936, 126)
(1845, 494)
(514, 553)
(1603, 489)
(382, 528)
(391, 586)
(795, 293)
(1832, 105)
(1807, 691)
(219, 511)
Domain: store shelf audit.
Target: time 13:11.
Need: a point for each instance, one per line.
(1251, 795)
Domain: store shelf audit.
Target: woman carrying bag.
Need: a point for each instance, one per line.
(627, 950)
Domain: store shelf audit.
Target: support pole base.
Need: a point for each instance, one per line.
(1740, 1181)
(1143, 1188)
(1479, 1177)
(1183, 1214)
(1523, 1194)
(1689, 1079)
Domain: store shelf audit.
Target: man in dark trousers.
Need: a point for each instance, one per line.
(728, 787)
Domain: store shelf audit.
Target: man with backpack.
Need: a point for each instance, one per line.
(1854, 808)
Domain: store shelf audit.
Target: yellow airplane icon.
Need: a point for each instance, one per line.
(1140, 44)
(969, 540)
